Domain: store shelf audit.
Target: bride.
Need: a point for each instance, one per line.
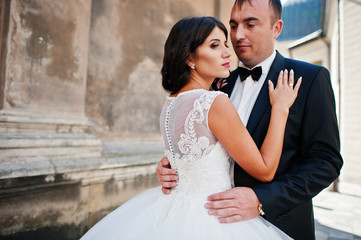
(198, 129)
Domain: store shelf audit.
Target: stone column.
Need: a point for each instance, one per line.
(44, 55)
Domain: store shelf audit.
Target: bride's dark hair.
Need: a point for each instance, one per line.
(184, 38)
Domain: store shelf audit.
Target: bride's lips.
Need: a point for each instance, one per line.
(227, 64)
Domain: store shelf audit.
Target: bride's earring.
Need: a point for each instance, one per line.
(193, 67)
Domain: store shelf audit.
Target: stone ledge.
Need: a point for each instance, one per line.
(48, 166)
(17, 117)
(132, 147)
(15, 121)
(27, 173)
(18, 180)
(40, 149)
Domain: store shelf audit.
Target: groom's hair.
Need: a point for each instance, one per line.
(183, 40)
(274, 4)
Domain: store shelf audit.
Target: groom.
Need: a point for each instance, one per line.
(310, 159)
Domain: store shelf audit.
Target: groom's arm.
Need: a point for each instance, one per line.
(320, 161)
(319, 167)
(166, 176)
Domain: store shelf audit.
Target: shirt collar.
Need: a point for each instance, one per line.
(265, 64)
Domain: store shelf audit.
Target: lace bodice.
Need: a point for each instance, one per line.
(194, 152)
(203, 168)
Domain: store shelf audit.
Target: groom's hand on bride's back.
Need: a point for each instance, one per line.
(234, 205)
(166, 176)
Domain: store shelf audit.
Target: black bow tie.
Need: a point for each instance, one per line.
(255, 73)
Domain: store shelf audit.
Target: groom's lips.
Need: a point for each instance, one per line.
(242, 46)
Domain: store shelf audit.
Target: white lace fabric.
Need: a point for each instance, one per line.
(194, 152)
(202, 165)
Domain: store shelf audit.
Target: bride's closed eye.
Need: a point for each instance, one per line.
(214, 45)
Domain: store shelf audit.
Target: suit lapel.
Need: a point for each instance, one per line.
(262, 101)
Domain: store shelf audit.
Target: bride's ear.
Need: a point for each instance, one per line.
(190, 62)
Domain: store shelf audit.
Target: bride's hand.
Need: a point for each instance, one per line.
(283, 96)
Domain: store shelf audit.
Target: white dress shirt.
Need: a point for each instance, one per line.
(245, 93)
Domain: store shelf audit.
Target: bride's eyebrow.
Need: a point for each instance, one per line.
(214, 40)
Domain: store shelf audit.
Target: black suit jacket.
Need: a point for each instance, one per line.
(310, 159)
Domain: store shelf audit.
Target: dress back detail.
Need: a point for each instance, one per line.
(202, 165)
(194, 152)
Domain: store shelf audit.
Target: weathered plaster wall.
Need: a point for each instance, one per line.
(47, 57)
(124, 92)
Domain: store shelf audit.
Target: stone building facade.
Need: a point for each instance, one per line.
(80, 98)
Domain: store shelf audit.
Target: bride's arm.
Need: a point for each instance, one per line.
(227, 126)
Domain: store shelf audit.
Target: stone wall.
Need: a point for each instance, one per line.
(124, 92)
(80, 98)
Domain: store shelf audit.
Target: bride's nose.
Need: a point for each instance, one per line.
(227, 53)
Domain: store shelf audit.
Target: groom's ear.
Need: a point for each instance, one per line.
(277, 28)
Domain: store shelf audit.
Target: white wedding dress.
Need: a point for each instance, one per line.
(202, 165)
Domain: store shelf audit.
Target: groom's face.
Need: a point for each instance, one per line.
(253, 31)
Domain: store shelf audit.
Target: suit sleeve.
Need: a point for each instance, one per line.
(318, 162)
